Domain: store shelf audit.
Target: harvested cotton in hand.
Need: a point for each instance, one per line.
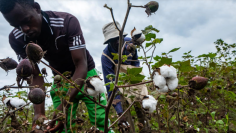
(149, 103)
(95, 86)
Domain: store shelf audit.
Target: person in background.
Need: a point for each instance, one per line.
(111, 35)
(60, 34)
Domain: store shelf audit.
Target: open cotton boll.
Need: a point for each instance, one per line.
(163, 90)
(17, 103)
(6, 100)
(168, 72)
(172, 83)
(92, 92)
(98, 84)
(159, 80)
(149, 103)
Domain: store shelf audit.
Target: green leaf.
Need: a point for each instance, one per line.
(150, 36)
(162, 96)
(110, 76)
(213, 115)
(220, 122)
(185, 66)
(157, 58)
(47, 84)
(148, 44)
(173, 50)
(212, 64)
(115, 56)
(136, 79)
(157, 40)
(164, 60)
(134, 71)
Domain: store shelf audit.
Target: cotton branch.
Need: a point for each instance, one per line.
(121, 41)
(122, 114)
(123, 86)
(111, 10)
(11, 86)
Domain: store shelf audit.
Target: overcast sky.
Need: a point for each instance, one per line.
(190, 24)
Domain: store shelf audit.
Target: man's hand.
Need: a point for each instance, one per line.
(123, 124)
(52, 128)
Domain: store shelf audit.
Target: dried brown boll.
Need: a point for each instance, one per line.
(8, 64)
(151, 7)
(24, 69)
(34, 52)
(44, 72)
(198, 82)
(37, 96)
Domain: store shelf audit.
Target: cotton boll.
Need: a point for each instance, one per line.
(159, 80)
(172, 83)
(149, 103)
(17, 103)
(163, 90)
(168, 72)
(174, 72)
(98, 84)
(37, 127)
(6, 100)
(92, 92)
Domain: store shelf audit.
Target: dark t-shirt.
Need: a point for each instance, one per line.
(61, 33)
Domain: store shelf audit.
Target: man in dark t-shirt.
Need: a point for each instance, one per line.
(61, 36)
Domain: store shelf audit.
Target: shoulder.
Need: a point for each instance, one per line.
(60, 19)
(16, 34)
(127, 39)
(16, 38)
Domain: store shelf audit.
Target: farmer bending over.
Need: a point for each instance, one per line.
(59, 34)
(111, 35)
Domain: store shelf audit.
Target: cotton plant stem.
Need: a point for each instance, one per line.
(122, 114)
(178, 112)
(95, 118)
(121, 39)
(146, 60)
(73, 84)
(138, 6)
(16, 87)
(123, 86)
(113, 18)
(71, 117)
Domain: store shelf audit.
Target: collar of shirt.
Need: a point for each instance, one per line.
(46, 28)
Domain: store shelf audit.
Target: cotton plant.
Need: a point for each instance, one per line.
(149, 103)
(165, 78)
(94, 86)
(14, 102)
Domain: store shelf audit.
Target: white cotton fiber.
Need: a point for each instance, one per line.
(163, 90)
(6, 100)
(92, 92)
(168, 72)
(149, 103)
(172, 83)
(17, 103)
(98, 85)
(159, 80)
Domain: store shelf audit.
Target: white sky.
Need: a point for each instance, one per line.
(190, 24)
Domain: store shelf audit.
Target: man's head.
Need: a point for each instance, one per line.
(24, 15)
